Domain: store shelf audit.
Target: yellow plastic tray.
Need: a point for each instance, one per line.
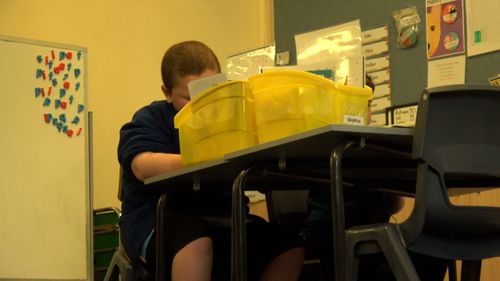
(219, 120)
(290, 101)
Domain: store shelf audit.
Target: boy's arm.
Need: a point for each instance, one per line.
(149, 164)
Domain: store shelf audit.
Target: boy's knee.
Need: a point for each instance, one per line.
(200, 246)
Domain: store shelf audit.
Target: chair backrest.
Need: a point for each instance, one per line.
(457, 136)
(288, 207)
(120, 181)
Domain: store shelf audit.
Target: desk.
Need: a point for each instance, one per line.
(269, 165)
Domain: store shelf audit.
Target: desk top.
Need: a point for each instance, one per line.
(314, 145)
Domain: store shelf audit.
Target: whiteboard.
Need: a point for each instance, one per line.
(44, 183)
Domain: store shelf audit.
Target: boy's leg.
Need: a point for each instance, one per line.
(189, 250)
(286, 266)
(273, 252)
(194, 261)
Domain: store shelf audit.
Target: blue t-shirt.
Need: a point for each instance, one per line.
(152, 130)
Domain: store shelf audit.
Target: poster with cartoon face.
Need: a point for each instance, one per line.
(444, 28)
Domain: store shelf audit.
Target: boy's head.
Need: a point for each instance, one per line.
(369, 82)
(182, 63)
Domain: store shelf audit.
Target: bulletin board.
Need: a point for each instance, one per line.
(44, 184)
(408, 66)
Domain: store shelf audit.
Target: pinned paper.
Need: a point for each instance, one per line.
(382, 90)
(375, 64)
(379, 77)
(375, 34)
(376, 49)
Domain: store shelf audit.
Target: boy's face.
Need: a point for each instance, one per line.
(179, 94)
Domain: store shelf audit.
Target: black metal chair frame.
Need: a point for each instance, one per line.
(457, 140)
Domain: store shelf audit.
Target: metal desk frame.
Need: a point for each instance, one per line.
(250, 167)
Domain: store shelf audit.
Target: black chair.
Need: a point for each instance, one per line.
(122, 268)
(457, 143)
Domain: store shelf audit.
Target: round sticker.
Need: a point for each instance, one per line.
(451, 41)
(407, 37)
(450, 13)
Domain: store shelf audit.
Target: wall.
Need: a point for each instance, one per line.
(126, 41)
(408, 66)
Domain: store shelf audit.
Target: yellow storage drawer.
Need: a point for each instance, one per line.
(217, 121)
(290, 101)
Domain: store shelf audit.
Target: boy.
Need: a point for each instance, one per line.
(149, 146)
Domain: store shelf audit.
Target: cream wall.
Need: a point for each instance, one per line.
(126, 40)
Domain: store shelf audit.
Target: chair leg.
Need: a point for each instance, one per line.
(452, 270)
(161, 273)
(352, 260)
(471, 270)
(113, 272)
(387, 238)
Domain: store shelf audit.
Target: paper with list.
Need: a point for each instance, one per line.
(483, 30)
(448, 71)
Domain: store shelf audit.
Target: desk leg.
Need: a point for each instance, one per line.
(238, 229)
(160, 237)
(338, 219)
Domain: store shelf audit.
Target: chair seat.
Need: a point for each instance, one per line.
(222, 220)
(457, 248)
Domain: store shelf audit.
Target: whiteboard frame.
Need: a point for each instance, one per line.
(87, 141)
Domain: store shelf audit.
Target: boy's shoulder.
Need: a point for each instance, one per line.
(156, 107)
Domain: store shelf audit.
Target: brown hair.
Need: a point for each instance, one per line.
(187, 58)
